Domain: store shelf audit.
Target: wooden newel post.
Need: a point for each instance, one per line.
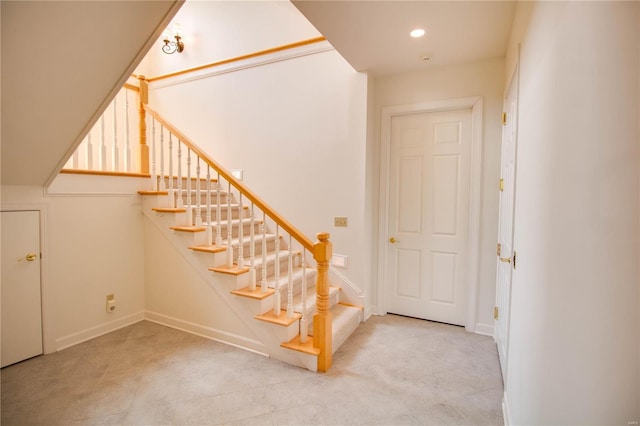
(142, 124)
(322, 333)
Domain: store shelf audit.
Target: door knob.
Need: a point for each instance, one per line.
(31, 257)
(392, 240)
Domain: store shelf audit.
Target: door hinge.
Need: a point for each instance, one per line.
(498, 247)
(504, 118)
(514, 259)
(496, 313)
(501, 184)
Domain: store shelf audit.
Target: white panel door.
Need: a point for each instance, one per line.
(505, 224)
(428, 215)
(20, 297)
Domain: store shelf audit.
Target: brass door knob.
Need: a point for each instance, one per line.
(392, 240)
(31, 257)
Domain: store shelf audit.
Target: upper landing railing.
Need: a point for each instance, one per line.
(133, 139)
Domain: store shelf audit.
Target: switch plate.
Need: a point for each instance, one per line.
(340, 261)
(340, 221)
(237, 173)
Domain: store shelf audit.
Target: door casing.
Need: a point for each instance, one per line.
(476, 105)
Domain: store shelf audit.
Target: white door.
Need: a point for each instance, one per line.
(429, 171)
(504, 251)
(20, 299)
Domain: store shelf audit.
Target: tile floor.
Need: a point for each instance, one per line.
(392, 371)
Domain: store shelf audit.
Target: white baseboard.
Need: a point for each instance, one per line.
(505, 410)
(99, 330)
(484, 329)
(227, 338)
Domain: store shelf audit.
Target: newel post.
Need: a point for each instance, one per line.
(322, 336)
(142, 124)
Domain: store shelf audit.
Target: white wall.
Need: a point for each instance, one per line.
(92, 246)
(484, 79)
(218, 30)
(297, 127)
(573, 348)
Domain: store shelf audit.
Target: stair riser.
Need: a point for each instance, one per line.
(246, 230)
(284, 267)
(203, 198)
(203, 182)
(223, 213)
(246, 252)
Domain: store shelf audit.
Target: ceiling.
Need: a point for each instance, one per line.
(374, 36)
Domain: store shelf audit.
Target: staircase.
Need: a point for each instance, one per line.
(273, 277)
(276, 293)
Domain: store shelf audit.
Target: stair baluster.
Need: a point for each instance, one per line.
(198, 194)
(89, 152)
(290, 281)
(209, 233)
(115, 156)
(240, 233)
(170, 191)
(304, 329)
(263, 284)
(127, 148)
(188, 190)
(179, 199)
(218, 214)
(252, 252)
(154, 175)
(103, 147)
(74, 160)
(163, 184)
(229, 228)
(277, 302)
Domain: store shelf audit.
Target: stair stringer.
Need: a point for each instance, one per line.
(268, 340)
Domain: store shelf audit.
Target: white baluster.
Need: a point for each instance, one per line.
(75, 157)
(229, 229)
(115, 156)
(218, 214)
(163, 184)
(252, 252)
(170, 191)
(263, 283)
(303, 321)
(198, 194)
(209, 233)
(290, 282)
(179, 199)
(188, 190)
(240, 234)
(154, 175)
(127, 148)
(277, 302)
(89, 152)
(103, 147)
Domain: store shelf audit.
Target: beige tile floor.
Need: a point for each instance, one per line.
(392, 371)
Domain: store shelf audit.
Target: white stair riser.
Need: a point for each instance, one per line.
(271, 267)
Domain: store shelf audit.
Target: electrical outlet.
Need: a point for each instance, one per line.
(340, 221)
(111, 303)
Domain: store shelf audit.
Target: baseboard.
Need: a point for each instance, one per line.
(484, 329)
(97, 331)
(505, 410)
(207, 332)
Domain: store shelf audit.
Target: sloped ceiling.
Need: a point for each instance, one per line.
(373, 36)
(62, 63)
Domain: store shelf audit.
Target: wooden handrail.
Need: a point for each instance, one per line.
(246, 192)
(239, 58)
(131, 87)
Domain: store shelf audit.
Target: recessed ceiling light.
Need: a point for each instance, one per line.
(418, 32)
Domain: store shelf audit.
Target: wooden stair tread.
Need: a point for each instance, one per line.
(153, 192)
(212, 248)
(306, 347)
(233, 270)
(169, 209)
(254, 294)
(282, 319)
(349, 305)
(188, 228)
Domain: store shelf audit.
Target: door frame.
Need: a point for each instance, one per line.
(473, 243)
(46, 298)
